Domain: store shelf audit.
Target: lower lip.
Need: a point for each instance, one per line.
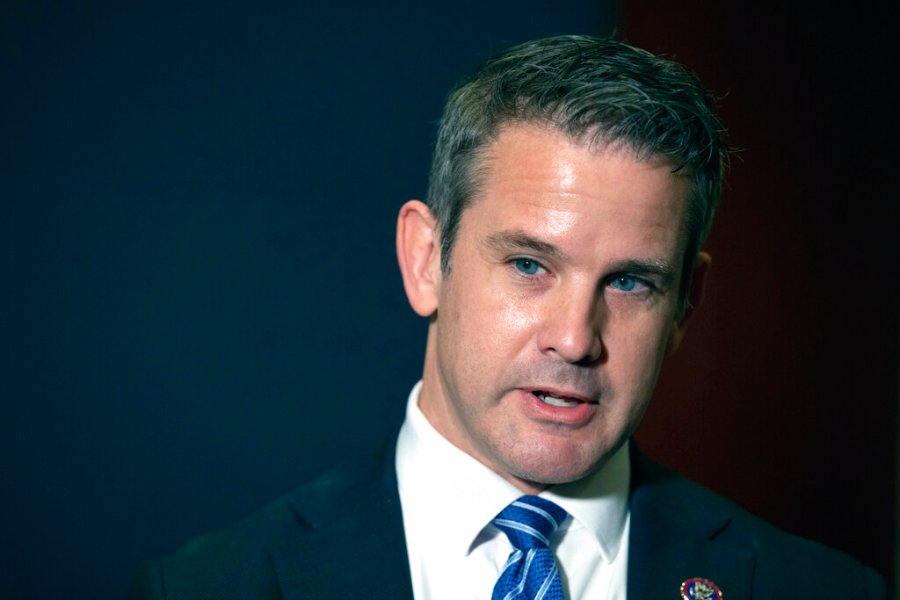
(572, 416)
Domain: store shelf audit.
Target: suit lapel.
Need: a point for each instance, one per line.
(351, 543)
(673, 539)
(349, 540)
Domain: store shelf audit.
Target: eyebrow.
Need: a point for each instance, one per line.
(516, 240)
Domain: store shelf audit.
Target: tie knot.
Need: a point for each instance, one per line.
(530, 521)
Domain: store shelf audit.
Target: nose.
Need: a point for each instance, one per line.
(571, 329)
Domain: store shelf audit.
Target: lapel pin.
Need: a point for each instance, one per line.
(698, 588)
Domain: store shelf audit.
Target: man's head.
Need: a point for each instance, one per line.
(573, 182)
(593, 90)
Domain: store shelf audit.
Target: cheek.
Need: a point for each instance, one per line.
(635, 351)
(515, 316)
(485, 334)
(493, 310)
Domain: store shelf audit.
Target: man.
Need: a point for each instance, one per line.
(558, 261)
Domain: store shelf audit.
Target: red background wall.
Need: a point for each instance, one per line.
(784, 396)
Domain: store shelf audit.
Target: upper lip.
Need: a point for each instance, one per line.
(561, 393)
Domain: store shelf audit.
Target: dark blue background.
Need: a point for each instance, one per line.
(199, 304)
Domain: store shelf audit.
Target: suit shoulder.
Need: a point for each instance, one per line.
(220, 563)
(239, 561)
(783, 561)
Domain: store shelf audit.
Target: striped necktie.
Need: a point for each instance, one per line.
(530, 572)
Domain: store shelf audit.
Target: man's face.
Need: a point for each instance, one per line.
(552, 325)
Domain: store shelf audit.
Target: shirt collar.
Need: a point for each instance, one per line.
(597, 502)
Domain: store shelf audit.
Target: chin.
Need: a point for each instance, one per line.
(555, 466)
(539, 479)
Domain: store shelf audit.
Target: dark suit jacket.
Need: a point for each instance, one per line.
(341, 536)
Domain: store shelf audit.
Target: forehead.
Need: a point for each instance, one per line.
(537, 176)
(529, 145)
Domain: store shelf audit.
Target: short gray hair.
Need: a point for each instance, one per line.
(594, 90)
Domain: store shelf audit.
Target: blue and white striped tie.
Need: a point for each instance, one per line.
(530, 572)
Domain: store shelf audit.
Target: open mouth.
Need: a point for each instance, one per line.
(562, 402)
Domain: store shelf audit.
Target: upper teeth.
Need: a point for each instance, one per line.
(554, 401)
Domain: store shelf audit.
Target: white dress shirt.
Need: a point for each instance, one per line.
(449, 499)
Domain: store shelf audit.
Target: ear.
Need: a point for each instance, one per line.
(695, 296)
(419, 255)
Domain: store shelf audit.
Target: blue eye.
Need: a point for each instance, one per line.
(625, 283)
(527, 266)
